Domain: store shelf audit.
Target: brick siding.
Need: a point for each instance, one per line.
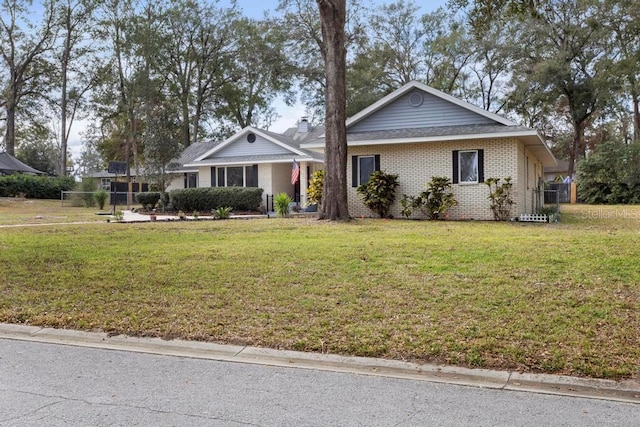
(416, 164)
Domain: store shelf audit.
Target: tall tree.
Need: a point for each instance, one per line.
(120, 91)
(397, 39)
(622, 19)
(305, 46)
(90, 160)
(493, 56)
(160, 137)
(568, 60)
(38, 148)
(334, 52)
(448, 52)
(75, 20)
(24, 42)
(262, 71)
(196, 53)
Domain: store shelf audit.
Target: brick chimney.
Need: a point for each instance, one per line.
(303, 125)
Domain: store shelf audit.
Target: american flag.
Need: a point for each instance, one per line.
(295, 172)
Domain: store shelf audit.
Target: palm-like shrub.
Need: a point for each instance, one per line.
(282, 203)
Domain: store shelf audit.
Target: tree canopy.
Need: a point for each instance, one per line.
(568, 68)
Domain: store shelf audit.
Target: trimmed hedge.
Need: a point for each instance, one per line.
(206, 199)
(148, 199)
(35, 187)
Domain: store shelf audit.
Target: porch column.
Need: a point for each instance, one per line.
(304, 179)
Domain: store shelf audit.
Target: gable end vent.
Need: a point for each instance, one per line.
(416, 99)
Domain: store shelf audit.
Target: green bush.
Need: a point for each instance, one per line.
(611, 175)
(101, 197)
(148, 199)
(500, 197)
(282, 202)
(207, 199)
(35, 187)
(407, 203)
(87, 187)
(314, 191)
(437, 199)
(379, 193)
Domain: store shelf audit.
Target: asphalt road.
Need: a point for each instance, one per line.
(43, 384)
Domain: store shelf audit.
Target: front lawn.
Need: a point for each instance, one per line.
(555, 298)
(16, 211)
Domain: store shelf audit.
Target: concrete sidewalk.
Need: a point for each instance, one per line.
(623, 391)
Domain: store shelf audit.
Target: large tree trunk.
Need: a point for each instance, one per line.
(62, 165)
(578, 148)
(10, 131)
(334, 199)
(186, 123)
(636, 118)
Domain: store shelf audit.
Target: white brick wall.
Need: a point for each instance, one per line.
(204, 177)
(416, 164)
(177, 182)
(264, 178)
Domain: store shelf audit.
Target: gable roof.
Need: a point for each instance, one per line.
(9, 165)
(488, 125)
(285, 149)
(189, 154)
(270, 136)
(380, 104)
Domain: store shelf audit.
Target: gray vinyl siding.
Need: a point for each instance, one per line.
(433, 112)
(241, 147)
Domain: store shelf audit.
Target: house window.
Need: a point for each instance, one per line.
(236, 176)
(105, 184)
(363, 167)
(190, 180)
(251, 173)
(468, 167)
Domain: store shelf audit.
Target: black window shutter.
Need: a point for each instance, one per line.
(455, 167)
(221, 177)
(376, 160)
(255, 175)
(480, 166)
(354, 171)
(186, 181)
(213, 177)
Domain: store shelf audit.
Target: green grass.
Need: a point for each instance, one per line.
(16, 211)
(556, 298)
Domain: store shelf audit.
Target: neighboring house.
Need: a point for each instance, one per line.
(559, 172)
(252, 158)
(105, 178)
(10, 165)
(416, 132)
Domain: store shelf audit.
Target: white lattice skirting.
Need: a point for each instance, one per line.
(534, 218)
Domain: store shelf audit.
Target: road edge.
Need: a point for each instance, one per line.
(622, 391)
